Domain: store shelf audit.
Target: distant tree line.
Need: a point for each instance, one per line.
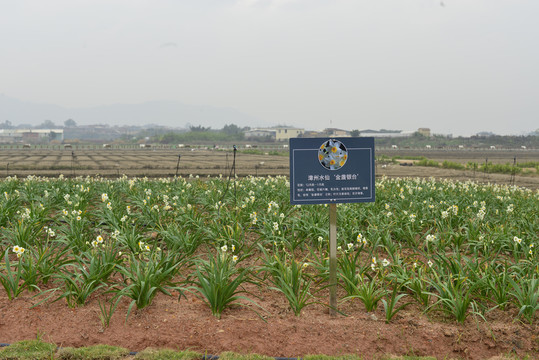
(47, 124)
(418, 140)
(199, 133)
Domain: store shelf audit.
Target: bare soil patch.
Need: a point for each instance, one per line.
(188, 324)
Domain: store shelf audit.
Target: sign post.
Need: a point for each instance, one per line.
(332, 259)
(331, 171)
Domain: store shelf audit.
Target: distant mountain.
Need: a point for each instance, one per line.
(165, 113)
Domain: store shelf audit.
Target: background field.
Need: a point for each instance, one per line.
(163, 162)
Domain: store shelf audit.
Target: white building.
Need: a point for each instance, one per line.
(282, 133)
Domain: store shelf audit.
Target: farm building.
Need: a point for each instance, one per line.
(424, 131)
(31, 136)
(335, 132)
(276, 133)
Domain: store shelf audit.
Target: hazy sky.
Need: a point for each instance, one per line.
(456, 66)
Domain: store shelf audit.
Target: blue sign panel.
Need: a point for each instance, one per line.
(331, 170)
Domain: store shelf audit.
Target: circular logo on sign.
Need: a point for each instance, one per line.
(332, 154)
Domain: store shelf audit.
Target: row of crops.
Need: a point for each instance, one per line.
(453, 248)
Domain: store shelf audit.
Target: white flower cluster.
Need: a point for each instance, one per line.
(361, 239)
(19, 250)
(98, 241)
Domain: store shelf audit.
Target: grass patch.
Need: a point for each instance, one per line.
(101, 352)
(167, 354)
(327, 357)
(28, 349)
(453, 165)
(427, 162)
(236, 356)
(410, 357)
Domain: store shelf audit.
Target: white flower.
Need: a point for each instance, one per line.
(235, 258)
(481, 214)
(517, 240)
(385, 262)
(445, 214)
(350, 246)
(104, 197)
(429, 263)
(224, 248)
(275, 226)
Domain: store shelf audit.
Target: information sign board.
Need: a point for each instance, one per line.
(332, 170)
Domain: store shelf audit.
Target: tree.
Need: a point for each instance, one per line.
(6, 125)
(232, 129)
(47, 124)
(199, 128)
(70, 123)
(354, 133)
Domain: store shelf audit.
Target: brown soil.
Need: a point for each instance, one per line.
(188, 324)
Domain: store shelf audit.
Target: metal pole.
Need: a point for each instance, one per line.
(333, 259)
(178, 164)
(513, 172)
(72, 163)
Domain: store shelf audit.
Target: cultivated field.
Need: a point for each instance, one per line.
(440, 268)
(163, 162)
(434, 267)
(138, 162)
